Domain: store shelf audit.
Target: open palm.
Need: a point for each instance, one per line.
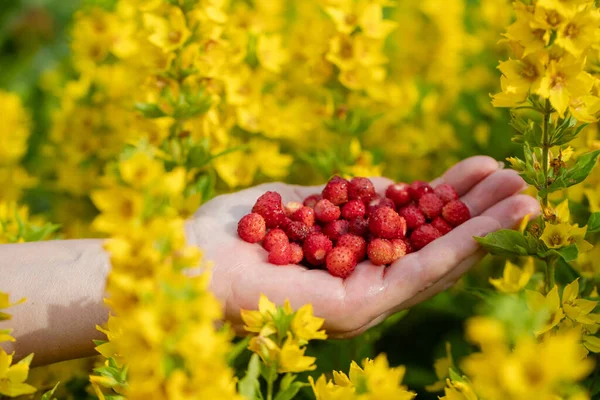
(350, 306)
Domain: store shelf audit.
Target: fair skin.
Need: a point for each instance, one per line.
(64, 280)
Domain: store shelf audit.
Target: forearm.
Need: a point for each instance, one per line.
(63, 282)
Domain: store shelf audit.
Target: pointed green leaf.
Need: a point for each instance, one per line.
(568, 253)
(509, 242)
(593, 224)
(291, 391)
(150, 110)
(247, 386)
(573, 175)
(48, 395)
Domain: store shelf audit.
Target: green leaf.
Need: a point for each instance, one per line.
(248, 384)
(593, 224)
(150, 110)
(568, 253)
(289, 392)
(48, 395)
(454, 376)
(573, 175)
(509, 242)
(237, 349)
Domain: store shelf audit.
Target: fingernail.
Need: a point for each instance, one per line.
(501, 164)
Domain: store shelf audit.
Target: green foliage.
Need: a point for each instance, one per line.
(507, 242)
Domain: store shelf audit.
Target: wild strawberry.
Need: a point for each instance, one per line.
(409, 248)
(380, 251)
(441, 225)
(275, 237)
(280, 254)
(335, 229)
(326, 211)
(291, 207)
(418, 189)
(430, 205)
(315, 229)
(306, 215)
(336, 191)
(316, 246)
(252, 228)
(297, 253)
(341, 262)
(456, 212)
(424, 235)
(312, 200)
(353, 209)
(358, 227)
(296, 231)
(386, 223)
(380, 202)
(399, 246)
(356, 243)
(361, 189)
(413, 216)
(398, 193)
(269, 206)
(446, 192)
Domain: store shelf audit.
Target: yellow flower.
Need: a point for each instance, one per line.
(441, 367)
(372, 23)
(567, 8)
(140, 170)
(579, 32)
(519, 78)
(485, 331)
(292, 358)
(12, 377)
(271, 53)
(305, 326)
(168, 32)
(523, 31)
(550, 304)
(270, 160)
(325, 389)
(514, 279)
(578, 310)
(585, 108)
(260, 321)
(5, 303)
(458, 391)
(563, 234)
(15, 129)
(564, 81)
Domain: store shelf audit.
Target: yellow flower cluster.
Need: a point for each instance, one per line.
(281, 335)
(13, 146)
(375, 380)
(528, 370)
(162, 342)
(551, 40)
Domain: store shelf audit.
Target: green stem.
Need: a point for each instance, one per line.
(270, 382)
(550, 273)
(545, 151)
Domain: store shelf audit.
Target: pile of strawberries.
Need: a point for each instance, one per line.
(349, 222)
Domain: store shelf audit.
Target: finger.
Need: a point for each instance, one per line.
(421, 270)
(493, 189)
(467, 173)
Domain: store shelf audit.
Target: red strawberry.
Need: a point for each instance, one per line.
(353, 209)
(456, 212)
(296, 253)
(358, 227)
(361, 189)
(430, 205)
(252, 228)
(306, 215)
(269, 206)
(275, 237)
(418, 189)
(409, 248)
(336, 191)
(335, 229)
(326, 211)
(424, 235)
(398, 193)
(441, 225)
(356, 243)
(341, 262)
(381, 251)
(380, 202)
(312, 200)
(399, 246)
(386, 223)
(446, 192)
(291, 207)
(315, 229)
(316, 246)
(296, 231)
(280, 254)
(413, 216)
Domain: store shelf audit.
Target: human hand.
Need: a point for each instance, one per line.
(241, 271)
